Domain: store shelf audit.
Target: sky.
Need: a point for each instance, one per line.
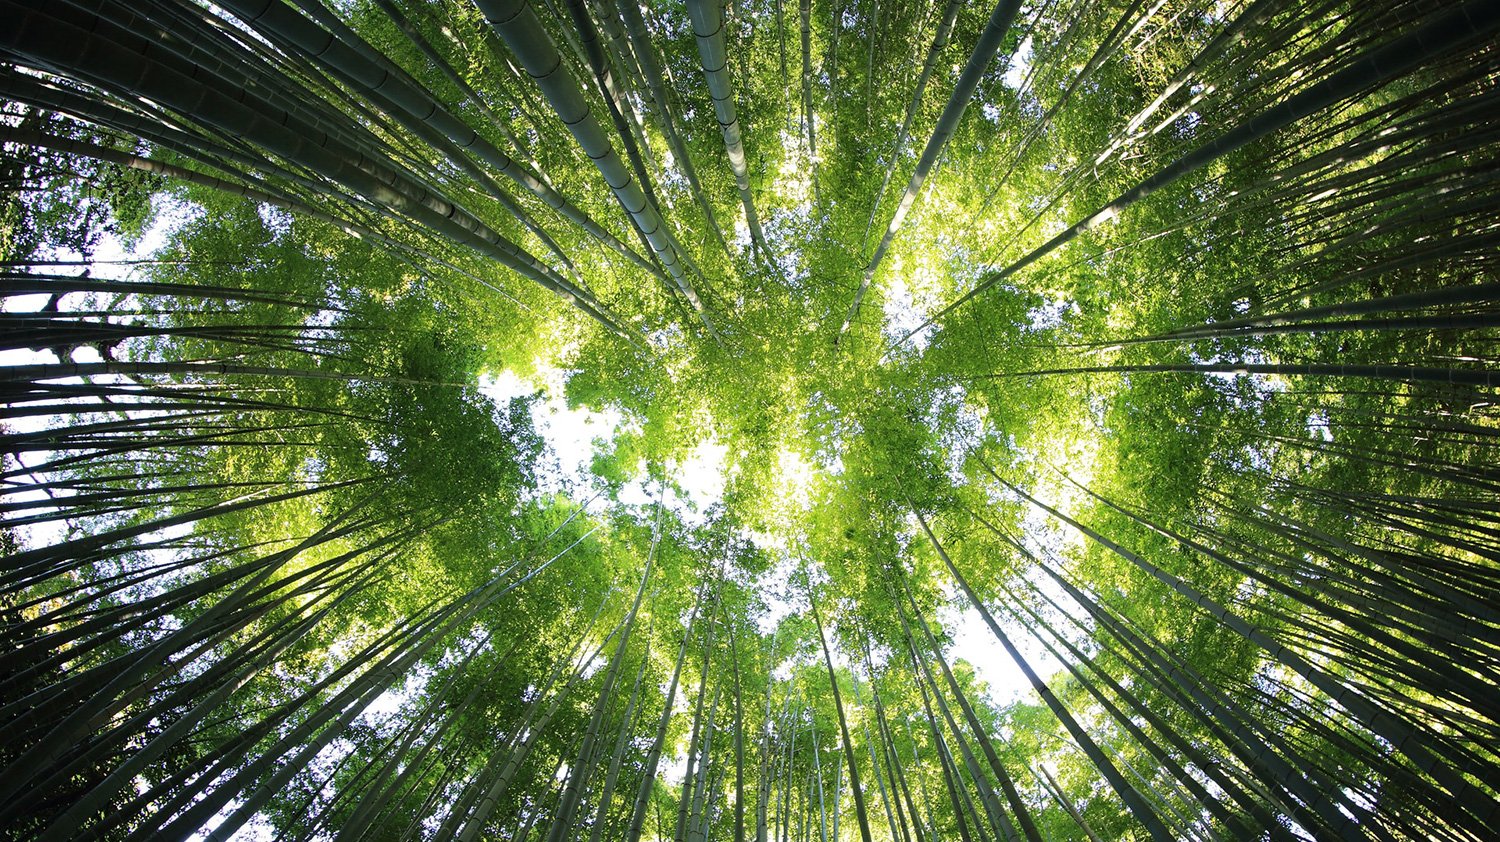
(109, 249)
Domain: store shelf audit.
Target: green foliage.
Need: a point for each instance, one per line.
(280, 560)
(58, 205)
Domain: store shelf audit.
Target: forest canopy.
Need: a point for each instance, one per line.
(824, 420)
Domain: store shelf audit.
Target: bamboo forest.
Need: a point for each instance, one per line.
(773, 420)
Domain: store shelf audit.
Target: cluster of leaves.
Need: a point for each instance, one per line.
(1198, 436)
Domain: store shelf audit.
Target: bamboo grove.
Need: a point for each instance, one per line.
(1148, 342)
